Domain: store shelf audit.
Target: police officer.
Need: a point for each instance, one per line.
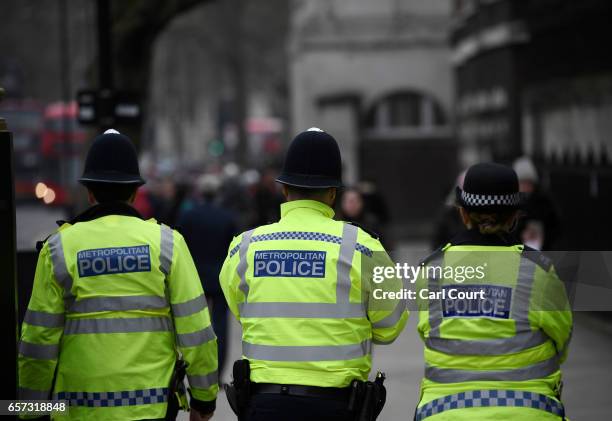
(297, 289)
(495, 355)
(114, 298)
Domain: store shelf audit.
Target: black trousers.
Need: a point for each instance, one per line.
(219, 314)
(268, 407)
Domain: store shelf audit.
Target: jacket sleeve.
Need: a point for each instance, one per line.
(229, 279)
(41, 333)
(386, 310)
(196, 339)
(553, 310)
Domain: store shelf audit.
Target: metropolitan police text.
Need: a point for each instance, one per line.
(114, 260)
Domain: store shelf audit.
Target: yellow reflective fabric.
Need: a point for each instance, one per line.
(483, 353)
(297, 289)
(103, 295)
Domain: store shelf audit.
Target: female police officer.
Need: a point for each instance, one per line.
(497, 357)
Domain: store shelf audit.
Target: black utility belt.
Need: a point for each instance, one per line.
(333, 393)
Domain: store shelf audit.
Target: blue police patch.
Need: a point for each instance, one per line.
(113, 260)
(496, 301)
(289, 263)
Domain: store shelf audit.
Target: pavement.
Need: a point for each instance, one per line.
(35, 221)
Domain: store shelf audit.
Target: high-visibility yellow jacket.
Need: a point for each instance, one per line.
(114, 296)
(496, 356)
(296, 286)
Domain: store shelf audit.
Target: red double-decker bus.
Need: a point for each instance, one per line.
(61, 150)
(24, 119)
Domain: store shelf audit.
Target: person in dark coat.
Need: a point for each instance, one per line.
(539, 224)
(208, 230)
(448, 222)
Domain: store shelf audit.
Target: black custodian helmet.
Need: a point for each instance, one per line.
(112, 158)
(312, 161)
(489, 187)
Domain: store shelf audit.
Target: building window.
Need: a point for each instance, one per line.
(405, 110)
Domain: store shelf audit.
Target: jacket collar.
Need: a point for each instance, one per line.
(474, 237)
(308, 205)
(105, 209)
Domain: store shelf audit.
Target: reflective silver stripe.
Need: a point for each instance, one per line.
(166, 249)
(435, 306)
(241, 269)
(520, 342)
(30, 394)
(190, 307)
(345, 262)
(452, 375)
(42, 318)
(60, 270)
(306, 353)
(393, 318)
(117, 325)
(38, 351)
(203, 381)
(196, 338)
(302, 310)
(132, 302)
(522, 295)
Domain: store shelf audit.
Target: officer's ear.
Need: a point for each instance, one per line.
(285, 191)
(91, 199)
(332, 194)
(465, 217)
(132, 197)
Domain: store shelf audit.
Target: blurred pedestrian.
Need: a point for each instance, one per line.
(267, 198)
(448, 223)
(374, 202)
(353, 209)
(115, 300)
(208, 230)
(494, 345)
(539, 223)
(234, 197)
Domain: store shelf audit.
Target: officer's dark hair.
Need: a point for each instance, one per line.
(111, 192)
(306, 193)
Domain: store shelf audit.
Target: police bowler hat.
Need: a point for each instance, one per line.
(312, 161)
(489, 187)
(112, 158)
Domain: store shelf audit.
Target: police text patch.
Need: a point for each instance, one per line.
(113, 260)
(290, 263)
(496, 302)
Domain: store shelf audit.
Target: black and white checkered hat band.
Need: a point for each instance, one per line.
(476, 200)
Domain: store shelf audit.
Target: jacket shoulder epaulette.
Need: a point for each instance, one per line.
(436, 253)
(537, 257)
(366, 230)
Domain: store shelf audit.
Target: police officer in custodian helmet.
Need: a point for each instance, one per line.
(114, 298)
(497, 355)
(296, 287)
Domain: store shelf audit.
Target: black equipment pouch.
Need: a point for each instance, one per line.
(370, 395)
(239, 391)
(177, 395)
